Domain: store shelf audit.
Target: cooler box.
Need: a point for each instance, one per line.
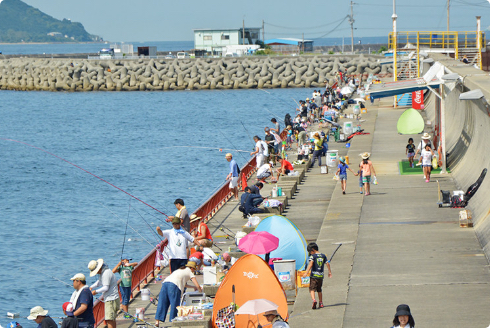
(285, 271)
(193, 298)
(209, 275)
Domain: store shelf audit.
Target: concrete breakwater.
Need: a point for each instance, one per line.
(180, 74)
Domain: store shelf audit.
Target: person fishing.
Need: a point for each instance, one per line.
(233, 175)
(83, 301)
(125, 269)
(201, 233)
(182, 214)
(107, 284)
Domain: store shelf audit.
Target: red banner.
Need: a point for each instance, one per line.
(418, 99)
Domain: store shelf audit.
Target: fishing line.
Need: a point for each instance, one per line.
(246, 160)
(281, 99)
(149, 226)
(47, 275)
(125, 231)
(117, 216)
(64, 160)
(248, 133)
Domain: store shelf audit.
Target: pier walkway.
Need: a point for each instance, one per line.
(402, 247)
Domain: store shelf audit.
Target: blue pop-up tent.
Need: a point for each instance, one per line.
(292, 243)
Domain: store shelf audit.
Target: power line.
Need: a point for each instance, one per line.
(303, 28)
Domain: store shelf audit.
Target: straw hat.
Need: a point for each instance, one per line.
(36, 312)
(194, 217)
(94, 266)
(426, 136)
(228, 155)
(365, 155)
(191, 264)
(271, 312)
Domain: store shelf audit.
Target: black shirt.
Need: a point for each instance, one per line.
(69, 322)
(47, 323)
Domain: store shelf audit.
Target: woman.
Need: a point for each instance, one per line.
(426, 160)
(317, 152)
(171, 291)
(202, 233)
(403, 317)
(367, 168)
(275, 319)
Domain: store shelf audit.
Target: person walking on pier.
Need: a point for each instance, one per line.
(342, 173)
(426, 160)
(367, 169)
(315, 269)
(233, 175)
(403, 317)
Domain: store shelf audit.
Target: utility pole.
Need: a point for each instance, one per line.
(303, 44)
(448, 24)
(243, 33)
(351, 20)
(263, 32)
(395, 50)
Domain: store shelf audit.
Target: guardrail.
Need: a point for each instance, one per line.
(145, 270)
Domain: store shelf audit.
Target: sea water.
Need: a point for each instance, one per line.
(55, 217)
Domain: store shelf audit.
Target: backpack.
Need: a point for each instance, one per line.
(456, 202)
(287, 120)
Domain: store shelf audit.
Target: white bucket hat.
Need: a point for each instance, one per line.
(426, 136)
(37, 311)
(94, 266)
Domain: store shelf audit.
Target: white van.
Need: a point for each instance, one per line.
(182, 55)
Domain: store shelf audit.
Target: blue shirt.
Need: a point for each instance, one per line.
(86, 298)
(343, 168)
(233, 168)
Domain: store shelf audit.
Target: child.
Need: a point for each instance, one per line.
(367, 168)
(410, 151)
(316, 262)
(70, 321)
(197, 257)
(426, 160)
(125, 269)
(342, 173)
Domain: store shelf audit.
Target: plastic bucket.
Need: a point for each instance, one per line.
(357, 109)
(279, 191)
(274, 192)
(285, 271)
(332, 157)
(145, 294)
(348, 129)
(346, 159)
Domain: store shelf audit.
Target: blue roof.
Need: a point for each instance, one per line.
(287, 41)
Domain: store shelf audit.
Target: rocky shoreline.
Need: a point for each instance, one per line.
(181, 74)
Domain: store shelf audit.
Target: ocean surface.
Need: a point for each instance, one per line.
(56, 217)
(73, 48)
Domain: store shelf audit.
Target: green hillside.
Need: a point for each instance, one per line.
(20, 22)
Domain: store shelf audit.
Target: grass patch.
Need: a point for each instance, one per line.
(405, 169)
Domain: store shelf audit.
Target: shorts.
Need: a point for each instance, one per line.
(125, 294)
(366, 179)
(343, 177)
(316, 284)
(111, 309)
(410, 155)
(286, 171)
(233, 182)
(426, 165)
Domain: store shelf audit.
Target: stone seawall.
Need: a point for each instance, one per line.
(180, 74)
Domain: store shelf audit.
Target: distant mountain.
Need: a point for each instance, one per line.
(20, 22)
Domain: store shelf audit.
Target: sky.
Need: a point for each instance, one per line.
(160, 20)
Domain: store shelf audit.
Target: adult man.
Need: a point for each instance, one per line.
(39, 315)
(177, 244)
(270, 141)
(264, 172)
(83, 302)
(261, 151)
(108, 287)
(304, 109)
(233, 175)
(277, 126)
(247, 206)
(255, 189)
(182, 214)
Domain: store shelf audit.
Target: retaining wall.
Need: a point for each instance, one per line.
(468, 140)
(180, 74)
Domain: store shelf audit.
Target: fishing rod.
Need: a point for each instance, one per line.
(246, 160)
(149, 226)
(78, 167)
(125, 231)
(220, 149)
(281, 99)
(136, 317)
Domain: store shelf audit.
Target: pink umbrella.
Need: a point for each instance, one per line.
(258, 242)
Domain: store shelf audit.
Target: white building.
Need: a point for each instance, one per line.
(216, 40)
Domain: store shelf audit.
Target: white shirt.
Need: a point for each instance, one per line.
(107, 278)
(426, 157)
(264, 168)
(177, 243)
(209, 254)
(263, 149)
(180, 277)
